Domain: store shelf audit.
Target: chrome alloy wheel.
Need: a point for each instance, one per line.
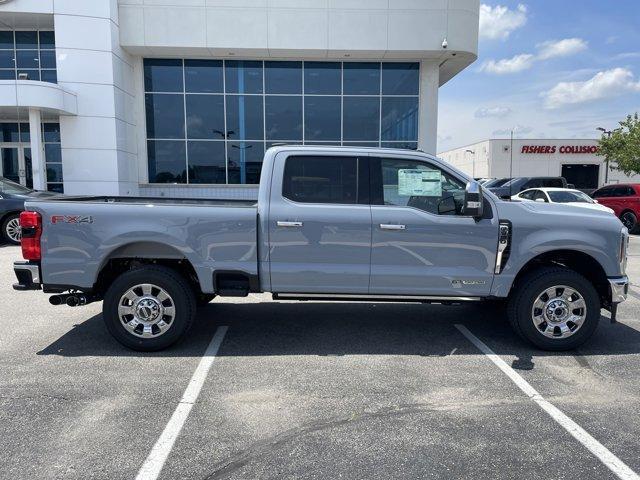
(559, 312)
(146, 311)
(13, 230)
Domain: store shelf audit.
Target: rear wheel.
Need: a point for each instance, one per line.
(11, 231)
(149, 308)
(554, 308)
(630, 221)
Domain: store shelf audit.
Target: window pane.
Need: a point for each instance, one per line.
(203, 76)
(362, 79)
(283, 77)
(7, 74)
(400, 79)
(243, 77)
(26, 40)
(10, 132)
(51, 132)
(403, 145)
(284, 118)
(245, 161)
(360, 144)
(6, 39)
(322, 118)
(206, 162)
(276, 144)
(322, 78)
(55, 187)
(205, 116)
(50, 76)
(167, 161)
(399, 118)
(361, 118)
(420, 185)
(24, 133)
(321, 179)
(165, 116)
(47, 40)
(27, 59)
(6, 59)
(52, 152)
(162, 75)
(54, 172)
(245, 117)
(31, 74)
(47, 59)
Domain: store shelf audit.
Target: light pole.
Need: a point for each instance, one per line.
(606, 161)
(473, 162)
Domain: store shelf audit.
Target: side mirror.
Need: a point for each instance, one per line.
(541, 200)
(473, 200)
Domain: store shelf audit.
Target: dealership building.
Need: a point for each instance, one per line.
(182, 97)
(576, 160)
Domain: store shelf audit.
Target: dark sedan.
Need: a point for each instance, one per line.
(12, 197)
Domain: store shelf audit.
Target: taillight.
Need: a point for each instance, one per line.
(31, 226)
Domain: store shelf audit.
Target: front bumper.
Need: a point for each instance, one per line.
(619, 289)
(28, 275)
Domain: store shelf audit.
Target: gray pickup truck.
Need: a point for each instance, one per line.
(330, 223)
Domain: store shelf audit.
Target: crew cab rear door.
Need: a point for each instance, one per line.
(422, 244)
(319, 223)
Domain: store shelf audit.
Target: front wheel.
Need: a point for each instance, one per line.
(149, 309)
(11, 230)
(554, 308)
(630, 221)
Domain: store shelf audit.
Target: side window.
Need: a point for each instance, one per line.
(553, 182)
(321, 179)
(528, 194)
(628, 192)
(603, 192)
(540, 195)
(420, 185)
(533, 183)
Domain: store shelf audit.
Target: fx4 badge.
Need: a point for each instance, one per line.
(75, 219)
(460, 283)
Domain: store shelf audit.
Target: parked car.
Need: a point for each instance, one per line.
(330, 223)
(519, 184)
(496, 182)
(12, 198)
(561, 195)
(625, 202)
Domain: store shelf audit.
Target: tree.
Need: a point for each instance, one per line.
(621, 147)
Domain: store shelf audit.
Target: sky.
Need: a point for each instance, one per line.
(546, 69)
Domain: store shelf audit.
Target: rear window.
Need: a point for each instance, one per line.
(321, 179)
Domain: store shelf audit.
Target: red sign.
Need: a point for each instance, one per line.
(564, 149)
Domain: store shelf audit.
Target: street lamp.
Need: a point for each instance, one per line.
(473, 162)
(606, 161)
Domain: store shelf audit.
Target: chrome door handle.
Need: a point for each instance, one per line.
(289, 224)
(391, 226)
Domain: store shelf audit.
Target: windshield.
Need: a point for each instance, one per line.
(496, 182)
(7, 186)
(569, 196)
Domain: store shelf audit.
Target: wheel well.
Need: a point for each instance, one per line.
(7, 214)
(579, 262)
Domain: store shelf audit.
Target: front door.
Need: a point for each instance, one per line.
(15, 164)
(319, 224)
(422, 244)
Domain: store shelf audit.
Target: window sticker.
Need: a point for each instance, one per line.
(421, 183)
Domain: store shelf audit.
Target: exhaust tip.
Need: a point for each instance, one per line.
(55, 300)
(73, 301)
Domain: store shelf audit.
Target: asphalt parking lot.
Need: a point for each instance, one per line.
(311, 390)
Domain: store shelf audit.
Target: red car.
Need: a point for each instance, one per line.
(625, 202)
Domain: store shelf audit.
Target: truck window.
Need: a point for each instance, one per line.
(419, 185)
(553, 183)
(321, 179)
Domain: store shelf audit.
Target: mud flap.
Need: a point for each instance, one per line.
(614, 311)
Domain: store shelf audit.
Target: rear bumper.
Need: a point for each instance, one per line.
(28, 275)
(619, 289)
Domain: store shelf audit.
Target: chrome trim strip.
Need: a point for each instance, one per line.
(619, 289)
(337, 296)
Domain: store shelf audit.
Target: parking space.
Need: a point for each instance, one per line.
(311, 390)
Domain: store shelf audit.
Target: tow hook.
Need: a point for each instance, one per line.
(71, 299)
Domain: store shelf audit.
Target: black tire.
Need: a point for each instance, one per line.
(630, 220)
(6, 223)
(203, 299)
(174, 284)
(526, 292)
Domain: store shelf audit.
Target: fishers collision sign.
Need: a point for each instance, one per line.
(564, 149)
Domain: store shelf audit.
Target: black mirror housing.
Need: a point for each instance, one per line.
(473, 200)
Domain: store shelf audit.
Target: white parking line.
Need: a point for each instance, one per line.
(152, 466)
(612, 462)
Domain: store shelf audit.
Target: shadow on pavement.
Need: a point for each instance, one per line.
(316, 328)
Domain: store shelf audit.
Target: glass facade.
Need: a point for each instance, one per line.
(30, 53)
(210, 121)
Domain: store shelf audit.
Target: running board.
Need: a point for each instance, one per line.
(334, 297)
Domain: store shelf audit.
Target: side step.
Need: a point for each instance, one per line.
(334, 297)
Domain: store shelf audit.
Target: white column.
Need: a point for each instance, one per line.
(428, 108)
(37, 152)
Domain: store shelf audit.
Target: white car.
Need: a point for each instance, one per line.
(560, 195)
